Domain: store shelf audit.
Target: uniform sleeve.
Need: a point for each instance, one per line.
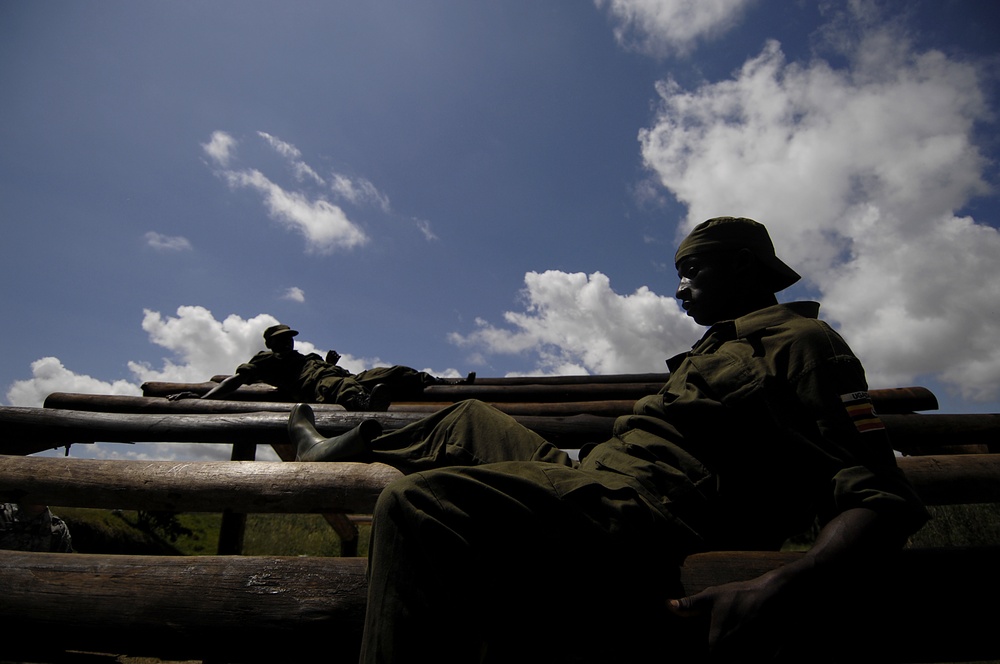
(250, 371)
(855, 445)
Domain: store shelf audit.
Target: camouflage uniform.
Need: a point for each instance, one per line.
(23, 532)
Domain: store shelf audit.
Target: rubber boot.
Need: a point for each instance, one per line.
(310, 445)
(380, 398)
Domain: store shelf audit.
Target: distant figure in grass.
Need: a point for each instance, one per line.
(30, 527)
(312, 379)
(497, 546)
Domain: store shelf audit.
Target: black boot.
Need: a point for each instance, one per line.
(380, 398)
(376, 401)
(310, 445)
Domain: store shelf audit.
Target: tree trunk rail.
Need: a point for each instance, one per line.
(30, 430)
(542, 389)
(300, 487)
(253, 609)
(260, 609)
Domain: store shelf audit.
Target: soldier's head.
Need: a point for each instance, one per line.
(727, 268)
(279, 337)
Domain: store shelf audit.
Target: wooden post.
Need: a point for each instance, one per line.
(234, 524)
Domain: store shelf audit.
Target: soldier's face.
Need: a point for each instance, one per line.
(707, 288)
(282, 342)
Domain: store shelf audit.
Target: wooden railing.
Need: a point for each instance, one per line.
(232, 608)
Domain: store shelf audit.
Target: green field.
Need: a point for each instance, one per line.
(107, 531)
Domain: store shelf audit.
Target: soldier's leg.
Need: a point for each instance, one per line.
(464, 434)
(523, 562)
(351, 394)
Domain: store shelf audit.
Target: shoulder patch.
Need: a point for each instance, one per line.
(861, 411)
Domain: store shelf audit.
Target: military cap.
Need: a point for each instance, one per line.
(732, 233)
(275, 330)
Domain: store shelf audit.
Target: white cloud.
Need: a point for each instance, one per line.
(661, 27)
(301, 169)
(204, 346)
(48, 375)
(324, 225)
(576, 324)
(295, 294)
(162, 242)
(220, 148)
(425, 228)
(359, 191)
(859, 173)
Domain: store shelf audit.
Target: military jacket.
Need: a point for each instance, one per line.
(763, 425)
(290, 371)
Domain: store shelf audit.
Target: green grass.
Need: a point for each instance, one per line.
(114, 531)
(960, 525)
(118, 532)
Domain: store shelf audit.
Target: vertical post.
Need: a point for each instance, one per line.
(234, 524)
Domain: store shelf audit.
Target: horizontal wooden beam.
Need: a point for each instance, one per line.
(199, 486)
(926, 608)
(29, 430)
(211, 608)
(291, 487)
(543, 389)
(129, 404)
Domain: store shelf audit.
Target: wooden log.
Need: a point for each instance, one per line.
(107, 403)
(252, 392)
(273, 486)
(201, 486)
(29, 430)
(930, 433)
(129, 404)
(623, 387)
(159, 405)
(219, 608)
(954, 479)
(926, 608)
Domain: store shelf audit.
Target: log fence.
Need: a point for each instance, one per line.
(234, 608)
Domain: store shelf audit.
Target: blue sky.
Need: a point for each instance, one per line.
(492, 186)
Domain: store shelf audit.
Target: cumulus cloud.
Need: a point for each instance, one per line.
(48, 375)
(860, 173)
(663, 27)
(576, 324)
(201, 345)
(162, 242)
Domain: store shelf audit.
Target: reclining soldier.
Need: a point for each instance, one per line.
(498, 546)
(310, 378)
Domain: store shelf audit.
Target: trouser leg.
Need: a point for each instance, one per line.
(343, 391)
(403, 381)
(464, 434)
(522, 562)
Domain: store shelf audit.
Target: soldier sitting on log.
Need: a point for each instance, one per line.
(310, 378)
(498, 546)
